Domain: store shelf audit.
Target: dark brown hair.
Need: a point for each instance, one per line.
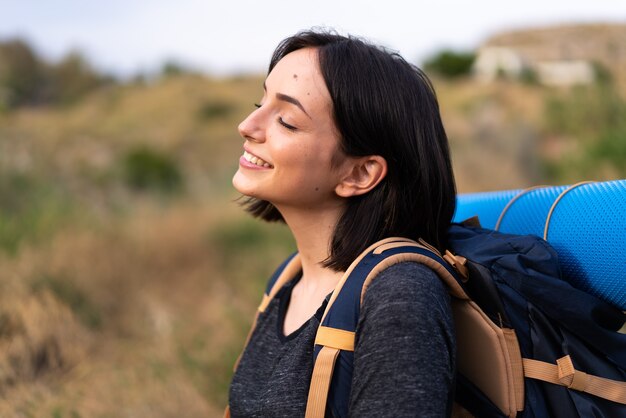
(382, 105)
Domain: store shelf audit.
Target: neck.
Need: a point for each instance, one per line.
(313, 231)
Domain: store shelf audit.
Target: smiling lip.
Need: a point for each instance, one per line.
(250, 160)
(247, 164)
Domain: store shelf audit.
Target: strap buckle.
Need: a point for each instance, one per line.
(458, 263)
(569, 376)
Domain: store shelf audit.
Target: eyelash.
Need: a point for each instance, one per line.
(280, 120)
(286, 125)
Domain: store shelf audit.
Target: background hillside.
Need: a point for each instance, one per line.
(604, 44)
(129, 276)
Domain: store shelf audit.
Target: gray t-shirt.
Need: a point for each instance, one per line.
(404, 357)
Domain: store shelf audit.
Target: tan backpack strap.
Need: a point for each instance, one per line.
(563, 373)
(473, 222)
(335, 338)
(332, 341)
(256, 317)
(290, 270)
(516, 367)
(454, 287)
(458, 263)
(345, 276)
(320, 382)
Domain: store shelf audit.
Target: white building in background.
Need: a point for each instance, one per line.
(494, 61)
(565, 73)
(497, 61)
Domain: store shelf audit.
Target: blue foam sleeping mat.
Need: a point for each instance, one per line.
(585, 223)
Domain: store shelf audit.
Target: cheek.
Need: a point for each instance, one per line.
(291, 153)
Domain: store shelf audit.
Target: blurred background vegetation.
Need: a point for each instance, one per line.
(129, 276)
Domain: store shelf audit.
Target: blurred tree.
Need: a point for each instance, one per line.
(172, 68)
(72, 78)
(450, 63)
(26, 79)
(21, 74)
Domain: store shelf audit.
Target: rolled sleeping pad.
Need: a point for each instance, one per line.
(527, 212)
(486, 205)
(587, 227)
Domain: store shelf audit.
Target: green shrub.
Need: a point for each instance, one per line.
(602, 74)
(585, 111)
(250, 234)
(450, 64)
(148, 170)
(70, 295)
(215, 110)
(173, 68)
(594, 117)
(249, 250)
(529, 76)
(30, 209)
(611, 147)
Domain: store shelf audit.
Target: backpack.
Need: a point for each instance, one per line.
(521, 350)
(529, 344)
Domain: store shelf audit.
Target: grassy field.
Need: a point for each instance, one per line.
(129, 276)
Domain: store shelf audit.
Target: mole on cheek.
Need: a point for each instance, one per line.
(295, 76)
(317, 189)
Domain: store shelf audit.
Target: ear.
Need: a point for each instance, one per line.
(363, 174)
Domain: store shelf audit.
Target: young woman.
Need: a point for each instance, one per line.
(347, 147)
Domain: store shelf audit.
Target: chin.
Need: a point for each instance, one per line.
(242, 185)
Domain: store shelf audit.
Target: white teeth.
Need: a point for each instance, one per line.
(256, 160)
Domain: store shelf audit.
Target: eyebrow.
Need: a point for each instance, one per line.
(289, 99)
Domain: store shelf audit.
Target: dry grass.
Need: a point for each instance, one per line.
(170, 319)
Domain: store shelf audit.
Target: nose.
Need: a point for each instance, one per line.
(251, 128)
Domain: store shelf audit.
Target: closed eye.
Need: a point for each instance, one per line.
(286, 125)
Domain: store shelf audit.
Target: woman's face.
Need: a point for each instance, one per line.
(291, 139)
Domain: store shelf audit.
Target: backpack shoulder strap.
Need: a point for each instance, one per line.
(334, 342)
(285, 272)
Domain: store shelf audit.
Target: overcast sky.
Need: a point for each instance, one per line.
(128, 36)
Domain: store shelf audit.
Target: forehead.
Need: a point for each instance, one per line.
(298, 74)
